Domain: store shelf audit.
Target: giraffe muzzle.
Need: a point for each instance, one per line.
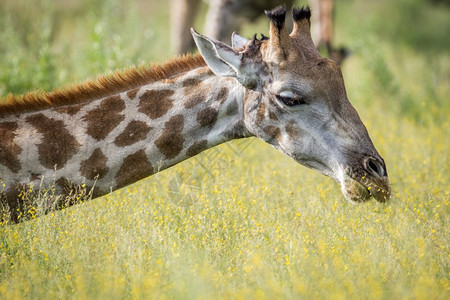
(378, 181)
(366, 180)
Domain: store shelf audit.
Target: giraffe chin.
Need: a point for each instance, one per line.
(357, 192)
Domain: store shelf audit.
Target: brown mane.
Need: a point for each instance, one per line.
(100, 87)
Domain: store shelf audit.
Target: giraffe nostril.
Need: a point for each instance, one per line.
(374, 167)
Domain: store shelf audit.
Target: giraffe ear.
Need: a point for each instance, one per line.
(238, 41)
(222, 59)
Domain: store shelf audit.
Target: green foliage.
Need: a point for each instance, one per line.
(241, 220)
(83, 39)
(420, 24)
(403, 47)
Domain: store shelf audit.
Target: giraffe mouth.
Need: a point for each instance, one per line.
(357, 185)
(362, 188)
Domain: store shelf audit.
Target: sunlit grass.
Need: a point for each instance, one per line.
(242, 220)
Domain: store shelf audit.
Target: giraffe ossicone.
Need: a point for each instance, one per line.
(112, 132)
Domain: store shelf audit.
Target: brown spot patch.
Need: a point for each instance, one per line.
(134, 167)
(9, 150)
(61, 183)
(170, 143)
(94, 166)
(237, 131)
(273, 132)
(273, 116)
(197, 147)
(69, 109)
(207, 117)
(292, 130)
(193, 100)
(103, 119)
(134, 132)
(57, 145)
(132, 93)
(35, 177)
(194, 91)
(223, 95)
(260, 115)
(156, 104)
(191, 83)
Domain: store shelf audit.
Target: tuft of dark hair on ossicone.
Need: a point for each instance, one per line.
(302, 13)
(277, 16)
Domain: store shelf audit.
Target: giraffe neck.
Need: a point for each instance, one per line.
(198, 111)
(112, 142)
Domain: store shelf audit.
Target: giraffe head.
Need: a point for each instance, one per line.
(296, 101)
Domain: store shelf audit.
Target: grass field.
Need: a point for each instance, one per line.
(241, 220)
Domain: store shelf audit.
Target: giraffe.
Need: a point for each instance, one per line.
(111, 132)
(322, 30)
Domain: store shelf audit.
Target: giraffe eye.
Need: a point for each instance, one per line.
(291, 101)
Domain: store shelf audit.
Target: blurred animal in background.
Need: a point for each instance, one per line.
(322, 29)
(225, 16)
